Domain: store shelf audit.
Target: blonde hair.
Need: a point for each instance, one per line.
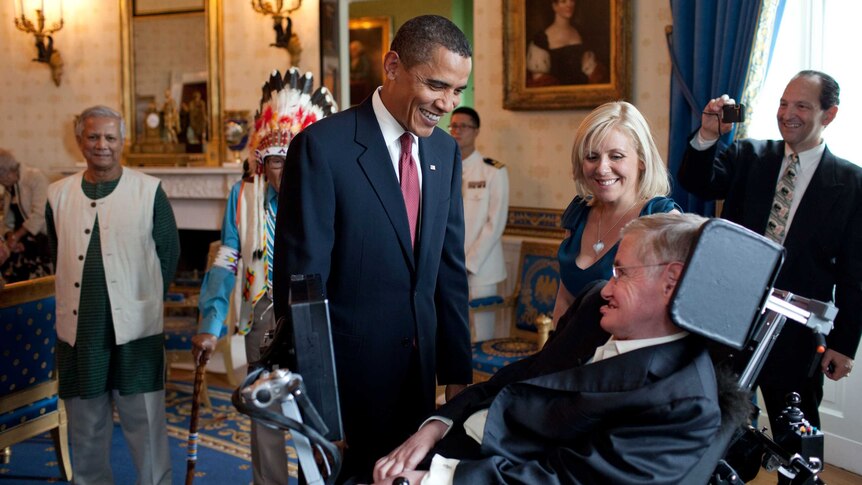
(653, 180)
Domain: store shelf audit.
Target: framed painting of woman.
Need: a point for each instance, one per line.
(564, 54)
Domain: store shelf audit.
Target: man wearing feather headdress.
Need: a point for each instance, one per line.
(287, 107)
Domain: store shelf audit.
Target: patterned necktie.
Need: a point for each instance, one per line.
(270, 237)
(776, 228)
(409, 183)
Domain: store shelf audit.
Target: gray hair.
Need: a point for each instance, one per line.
(416, 40)
(7, 161)
(99, 112)
(664, 237)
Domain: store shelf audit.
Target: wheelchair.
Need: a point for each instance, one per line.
(725, 295)
(741, 266)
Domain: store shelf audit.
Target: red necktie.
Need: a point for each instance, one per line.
(409, 183)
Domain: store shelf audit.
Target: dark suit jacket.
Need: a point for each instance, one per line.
(643, 417)
(341, 214)
(823, 243)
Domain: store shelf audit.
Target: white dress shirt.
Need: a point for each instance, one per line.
(392, 131)
(809, 160)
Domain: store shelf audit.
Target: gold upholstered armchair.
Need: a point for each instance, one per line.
(29, 405)
(531, 306)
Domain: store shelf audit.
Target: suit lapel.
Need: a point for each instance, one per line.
(376, 164)
(605, 376)
(817, 200)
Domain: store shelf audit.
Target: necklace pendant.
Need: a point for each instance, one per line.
(598, 246)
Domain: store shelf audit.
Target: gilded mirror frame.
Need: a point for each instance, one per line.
(215, 148)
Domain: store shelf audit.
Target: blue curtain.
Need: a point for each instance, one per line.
(711, 45)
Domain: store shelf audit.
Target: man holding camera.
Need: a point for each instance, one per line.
(796, 192)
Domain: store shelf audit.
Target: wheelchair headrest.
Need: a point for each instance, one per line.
(727, 278)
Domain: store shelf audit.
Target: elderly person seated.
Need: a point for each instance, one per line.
(639, 407)
(25, 233)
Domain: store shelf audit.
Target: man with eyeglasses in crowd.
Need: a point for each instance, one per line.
(251, 207)
(640, 406)
(243, 267)
(485, 188)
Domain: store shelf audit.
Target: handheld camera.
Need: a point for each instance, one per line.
(733, 113)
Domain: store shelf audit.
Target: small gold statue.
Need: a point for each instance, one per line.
(197, 120)
(171, 118)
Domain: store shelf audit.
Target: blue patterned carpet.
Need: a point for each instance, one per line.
(223, 451)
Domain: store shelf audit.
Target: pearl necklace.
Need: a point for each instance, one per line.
(599, 245)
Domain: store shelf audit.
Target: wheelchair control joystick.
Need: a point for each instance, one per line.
(794, 432)
(792, 414)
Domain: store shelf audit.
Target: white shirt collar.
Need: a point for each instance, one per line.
(389, 126)
(616, 347)
(808, 160)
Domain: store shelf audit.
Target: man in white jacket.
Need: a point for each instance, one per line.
(485, 188)
(115, 241)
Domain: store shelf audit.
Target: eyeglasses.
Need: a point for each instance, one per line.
(274, 162)
(621, 271)
(459, 126)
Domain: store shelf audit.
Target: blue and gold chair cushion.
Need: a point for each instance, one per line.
(540, 280)
(27, 338)
(27, 413)
(29, 404)
(492, 355)
(534, 297)
(486, 301)
(179, 332)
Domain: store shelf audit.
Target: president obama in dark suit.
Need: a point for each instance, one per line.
(371, 200)
(821, 226)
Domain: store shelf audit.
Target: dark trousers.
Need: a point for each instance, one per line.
(366, 445)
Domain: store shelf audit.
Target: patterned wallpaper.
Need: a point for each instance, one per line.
(536, 145)
(36, 116)
(248, 57)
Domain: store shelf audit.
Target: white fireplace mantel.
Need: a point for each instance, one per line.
(197, 194)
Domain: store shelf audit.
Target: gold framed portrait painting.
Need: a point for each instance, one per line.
(369, 41)
(565, 54)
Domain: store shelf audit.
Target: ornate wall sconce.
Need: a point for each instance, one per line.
(280, 11)
(33, 17)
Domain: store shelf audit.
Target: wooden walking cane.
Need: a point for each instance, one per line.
(192, 450)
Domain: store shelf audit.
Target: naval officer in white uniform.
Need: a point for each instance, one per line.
(485, 187)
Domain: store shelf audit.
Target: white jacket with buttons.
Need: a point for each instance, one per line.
(132, 269)
(485, 188)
